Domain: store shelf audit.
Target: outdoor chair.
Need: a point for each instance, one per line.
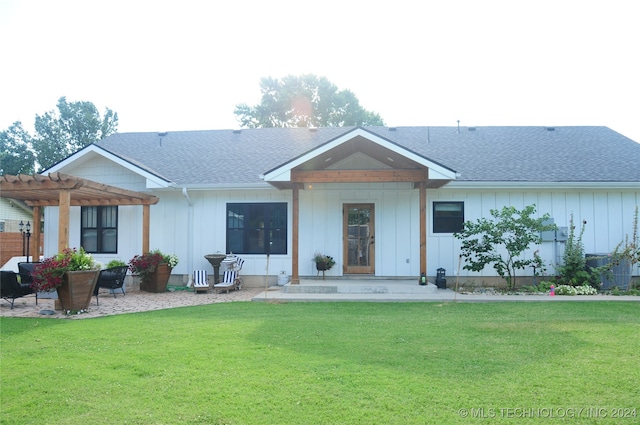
(200, 281)
(11, 288)
(231, 279)
(25, 270)
(112, 279)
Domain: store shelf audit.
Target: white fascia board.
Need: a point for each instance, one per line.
(279, 175)
(231, 186)
(438, 173)
(435, 171)
(541, 185)
(78, 157)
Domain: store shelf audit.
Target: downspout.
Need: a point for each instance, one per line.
(189, 233)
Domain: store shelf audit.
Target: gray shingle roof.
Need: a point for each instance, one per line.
(509, 154)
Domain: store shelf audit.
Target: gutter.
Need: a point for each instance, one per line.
(189, 233)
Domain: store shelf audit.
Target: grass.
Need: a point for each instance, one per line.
(326, 363)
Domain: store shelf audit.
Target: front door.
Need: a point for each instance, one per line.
(358, 239)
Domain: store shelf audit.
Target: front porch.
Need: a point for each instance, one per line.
(349, 289)
(359, 286)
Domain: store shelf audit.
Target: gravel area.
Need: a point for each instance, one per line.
(133, 301)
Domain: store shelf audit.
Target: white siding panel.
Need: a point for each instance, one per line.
(102, 170)
(609, 217)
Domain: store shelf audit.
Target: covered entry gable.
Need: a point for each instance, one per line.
(359, 156)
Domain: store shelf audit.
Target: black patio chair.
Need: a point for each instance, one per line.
(11, 288)
(112, 279)
(25, 270)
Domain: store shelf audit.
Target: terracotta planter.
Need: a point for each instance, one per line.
(157, 281)
(76, 289)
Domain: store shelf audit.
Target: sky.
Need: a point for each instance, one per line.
(185, 65)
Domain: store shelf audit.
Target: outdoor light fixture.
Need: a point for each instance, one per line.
(26, 235)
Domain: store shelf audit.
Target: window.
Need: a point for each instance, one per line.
(99, 229)
(448, 217)
(259, 228)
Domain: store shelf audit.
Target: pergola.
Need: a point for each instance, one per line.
(64, 191)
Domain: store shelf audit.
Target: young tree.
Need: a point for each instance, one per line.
(304, 101)
(502, 240)
(15, 156)
(573, 271)
(74, 126)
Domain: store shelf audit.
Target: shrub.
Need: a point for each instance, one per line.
(485, 241)
(115, 263)
(576, 290)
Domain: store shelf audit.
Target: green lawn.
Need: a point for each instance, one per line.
(327, 363)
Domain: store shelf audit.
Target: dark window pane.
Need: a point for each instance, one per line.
(448, 217)
(258, 228)
(99, 229)
(109, 238)
(90, 240)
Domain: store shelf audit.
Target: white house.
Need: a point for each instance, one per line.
(383, 201)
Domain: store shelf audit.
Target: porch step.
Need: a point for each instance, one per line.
(360, 288)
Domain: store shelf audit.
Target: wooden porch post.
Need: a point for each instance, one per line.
(423, 228)
(63, 219)
(295, 277)
(146, 215)
(36, 236)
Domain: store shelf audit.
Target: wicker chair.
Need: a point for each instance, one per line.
(11, 288)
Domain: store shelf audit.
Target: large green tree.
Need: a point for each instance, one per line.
(304, 101)
(74, 126)
(15, 155)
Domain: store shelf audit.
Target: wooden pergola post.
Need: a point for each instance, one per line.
(295, 276)
(63, 219)
(423, 227)
(35, 234)
(146, 219)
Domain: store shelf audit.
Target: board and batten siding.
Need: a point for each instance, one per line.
(194, 225)
(397, 237)
(609, 216)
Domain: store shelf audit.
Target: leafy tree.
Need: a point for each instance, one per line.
(502, 240)
(304, 101)
(74, 126)
(15, 156)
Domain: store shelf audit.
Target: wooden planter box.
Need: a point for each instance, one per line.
(77, 289)
(157, 281)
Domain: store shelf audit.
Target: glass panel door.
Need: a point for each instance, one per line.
(359, 238)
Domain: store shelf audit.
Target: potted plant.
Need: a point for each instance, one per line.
(323, 262)
(154, 269)
(72, 273)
